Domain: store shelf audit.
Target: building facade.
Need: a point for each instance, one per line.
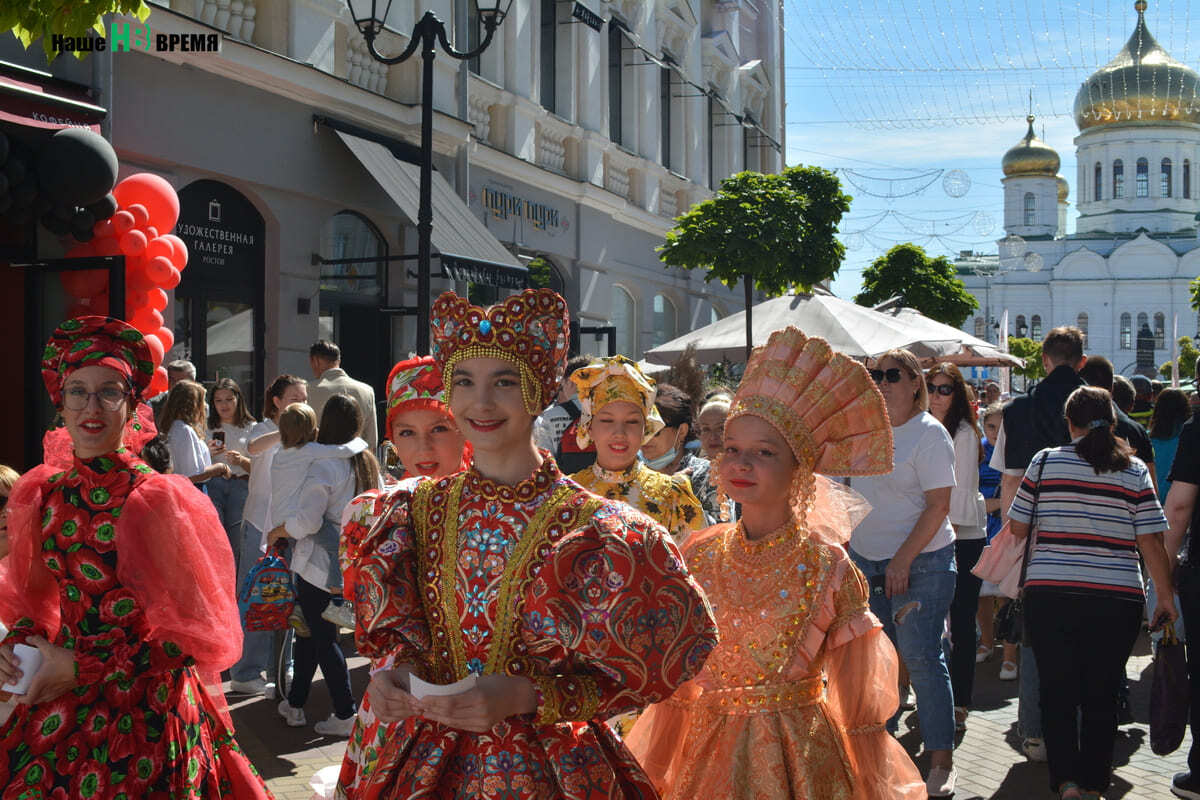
(1124, 274)
(570, 144)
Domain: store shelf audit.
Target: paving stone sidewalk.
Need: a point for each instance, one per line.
(988, 757)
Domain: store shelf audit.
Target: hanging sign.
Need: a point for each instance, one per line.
(588, 17)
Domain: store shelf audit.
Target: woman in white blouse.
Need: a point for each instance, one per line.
(182, 420)
(229, 425)
(951, 403)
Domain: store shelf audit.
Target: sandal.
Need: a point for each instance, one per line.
(1008, 671)
(1069, 790)
(983, 653)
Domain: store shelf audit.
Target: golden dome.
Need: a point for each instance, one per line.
(1142, 84)
(1030, 156)
(1064, 188)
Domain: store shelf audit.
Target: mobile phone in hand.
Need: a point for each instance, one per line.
(219, 436)
(878, 584)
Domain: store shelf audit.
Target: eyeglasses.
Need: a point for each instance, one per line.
(892, 375)
(945, 390)
(76, 398)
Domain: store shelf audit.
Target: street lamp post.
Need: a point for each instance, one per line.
(428, 33)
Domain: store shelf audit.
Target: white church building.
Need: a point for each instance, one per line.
(1135, 248)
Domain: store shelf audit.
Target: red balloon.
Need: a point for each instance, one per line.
(151, 232)
(167, 337)
(136, 274)
(107, 246)
(153, 192)
(122, 222)
(81, 250)
(159, 246)
(158, 299)
(104, 228)
(135, 299)
(133, 243)
(141, 217)
(159, 270)
(173, 281)
(156, 348)
(146, 319)
(158, 384)
(180, 256)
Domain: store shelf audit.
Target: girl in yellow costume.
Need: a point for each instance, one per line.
(617, 400)
(793, 701)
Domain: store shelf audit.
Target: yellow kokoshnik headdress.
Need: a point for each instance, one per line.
(529, 330)
(608, 380)
(823, 403)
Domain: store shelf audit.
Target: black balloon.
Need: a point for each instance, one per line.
(41, 204)
(63, 212)
(82, 220)
(55, 225)
(24, 193)
(16, 169)
(77, 167)
(83, 236)
(103, 208)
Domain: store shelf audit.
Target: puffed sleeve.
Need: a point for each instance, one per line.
(381, 561)
(28, 591)
(861, 666)
(614, 620)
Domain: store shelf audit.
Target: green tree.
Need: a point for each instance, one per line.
(1188, 353)
(927, 284)
(771, 232)
(31, 20)
(1031, 351)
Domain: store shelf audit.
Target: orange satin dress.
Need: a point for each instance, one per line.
(792, 704)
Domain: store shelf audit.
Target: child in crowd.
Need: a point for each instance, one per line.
(157, 454)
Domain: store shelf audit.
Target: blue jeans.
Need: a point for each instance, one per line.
(328, 538)
(257, 646)
(915, 622)
(1029, 697)
(229, 497)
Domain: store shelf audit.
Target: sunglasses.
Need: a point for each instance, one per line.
(892, 375)
(945, 390)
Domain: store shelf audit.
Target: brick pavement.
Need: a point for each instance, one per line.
(988, 757)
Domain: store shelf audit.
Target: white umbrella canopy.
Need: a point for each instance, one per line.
(972, 352)
(849, 328)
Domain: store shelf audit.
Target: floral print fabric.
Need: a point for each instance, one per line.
(667, 499)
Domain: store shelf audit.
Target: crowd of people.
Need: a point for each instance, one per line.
(635, 588)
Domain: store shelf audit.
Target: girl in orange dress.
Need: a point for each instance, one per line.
(793, 701)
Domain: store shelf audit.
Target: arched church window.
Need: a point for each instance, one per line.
(1081, 322)
(1160, 330)
(1126, 331)
(1187, 178)
(1143, 320)
(1098, 183)
(1143, 178)
(1164, 187)
(1030, 208)
(1118, 179)
(1035, 328)
(1022, 328)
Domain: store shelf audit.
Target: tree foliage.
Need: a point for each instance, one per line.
(927, 284)
(777, 229)
(30, 20)
(1188, 353)
(1031, 351)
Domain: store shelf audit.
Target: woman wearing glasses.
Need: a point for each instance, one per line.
(951, 403)
(905, 547)
(122, 579)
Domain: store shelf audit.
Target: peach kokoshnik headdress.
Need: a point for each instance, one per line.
(608, 380)
(529, 330)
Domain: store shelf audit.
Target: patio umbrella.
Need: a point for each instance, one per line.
(972, 352)
(849, 328)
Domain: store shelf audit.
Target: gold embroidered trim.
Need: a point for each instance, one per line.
(531, 387)
(861, 729)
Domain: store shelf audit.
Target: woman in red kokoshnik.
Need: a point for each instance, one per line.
(569, 608)
(123, 579)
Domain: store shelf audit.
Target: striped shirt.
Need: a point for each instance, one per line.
(1087, 524)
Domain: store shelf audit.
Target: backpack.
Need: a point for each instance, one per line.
(267, 598)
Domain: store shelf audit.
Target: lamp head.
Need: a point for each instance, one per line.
(493, 13)
(367, 18)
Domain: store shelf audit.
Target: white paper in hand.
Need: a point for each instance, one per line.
(419, 688)
(30, 660)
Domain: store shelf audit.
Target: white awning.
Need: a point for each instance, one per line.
(455, 229)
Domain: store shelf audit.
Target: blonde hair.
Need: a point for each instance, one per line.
(184, 402)
(297, 425)
(909, 363)
(8, 477)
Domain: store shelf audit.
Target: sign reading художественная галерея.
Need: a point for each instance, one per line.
(125, 35)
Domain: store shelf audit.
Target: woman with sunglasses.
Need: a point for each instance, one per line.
(951, 402)
(905, 547)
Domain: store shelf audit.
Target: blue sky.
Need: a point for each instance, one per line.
(896, 94)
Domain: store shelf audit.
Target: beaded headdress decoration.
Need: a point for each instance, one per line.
(609, 380)
(823, 403)
(528, 330)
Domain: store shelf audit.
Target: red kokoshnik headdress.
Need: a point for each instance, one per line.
(528, 330)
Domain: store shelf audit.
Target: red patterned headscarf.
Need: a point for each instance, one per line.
(413, 384)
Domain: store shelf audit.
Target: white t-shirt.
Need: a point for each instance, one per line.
(327, 488)
(967, 510)
(189, 455)
(258, 502)
(236, 439)
(924, 460)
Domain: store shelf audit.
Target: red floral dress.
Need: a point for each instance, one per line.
(141, 723)
(586, 597)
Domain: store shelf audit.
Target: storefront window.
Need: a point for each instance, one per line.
(664, 320)
(623, 316)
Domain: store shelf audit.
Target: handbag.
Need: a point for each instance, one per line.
(1000, 561)
(1170, 695)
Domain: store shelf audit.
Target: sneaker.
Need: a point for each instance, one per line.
(335, 727)
(1185, 785)
(255, 686)
(982, 653)
(296, 620)
(940, 782)
(340, 613)
(294, 717)
(1008, 671)
(1034, 749)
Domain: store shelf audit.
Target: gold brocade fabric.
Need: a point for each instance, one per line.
(666, 499)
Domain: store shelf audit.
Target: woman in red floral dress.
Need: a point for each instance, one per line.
(123, 579)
